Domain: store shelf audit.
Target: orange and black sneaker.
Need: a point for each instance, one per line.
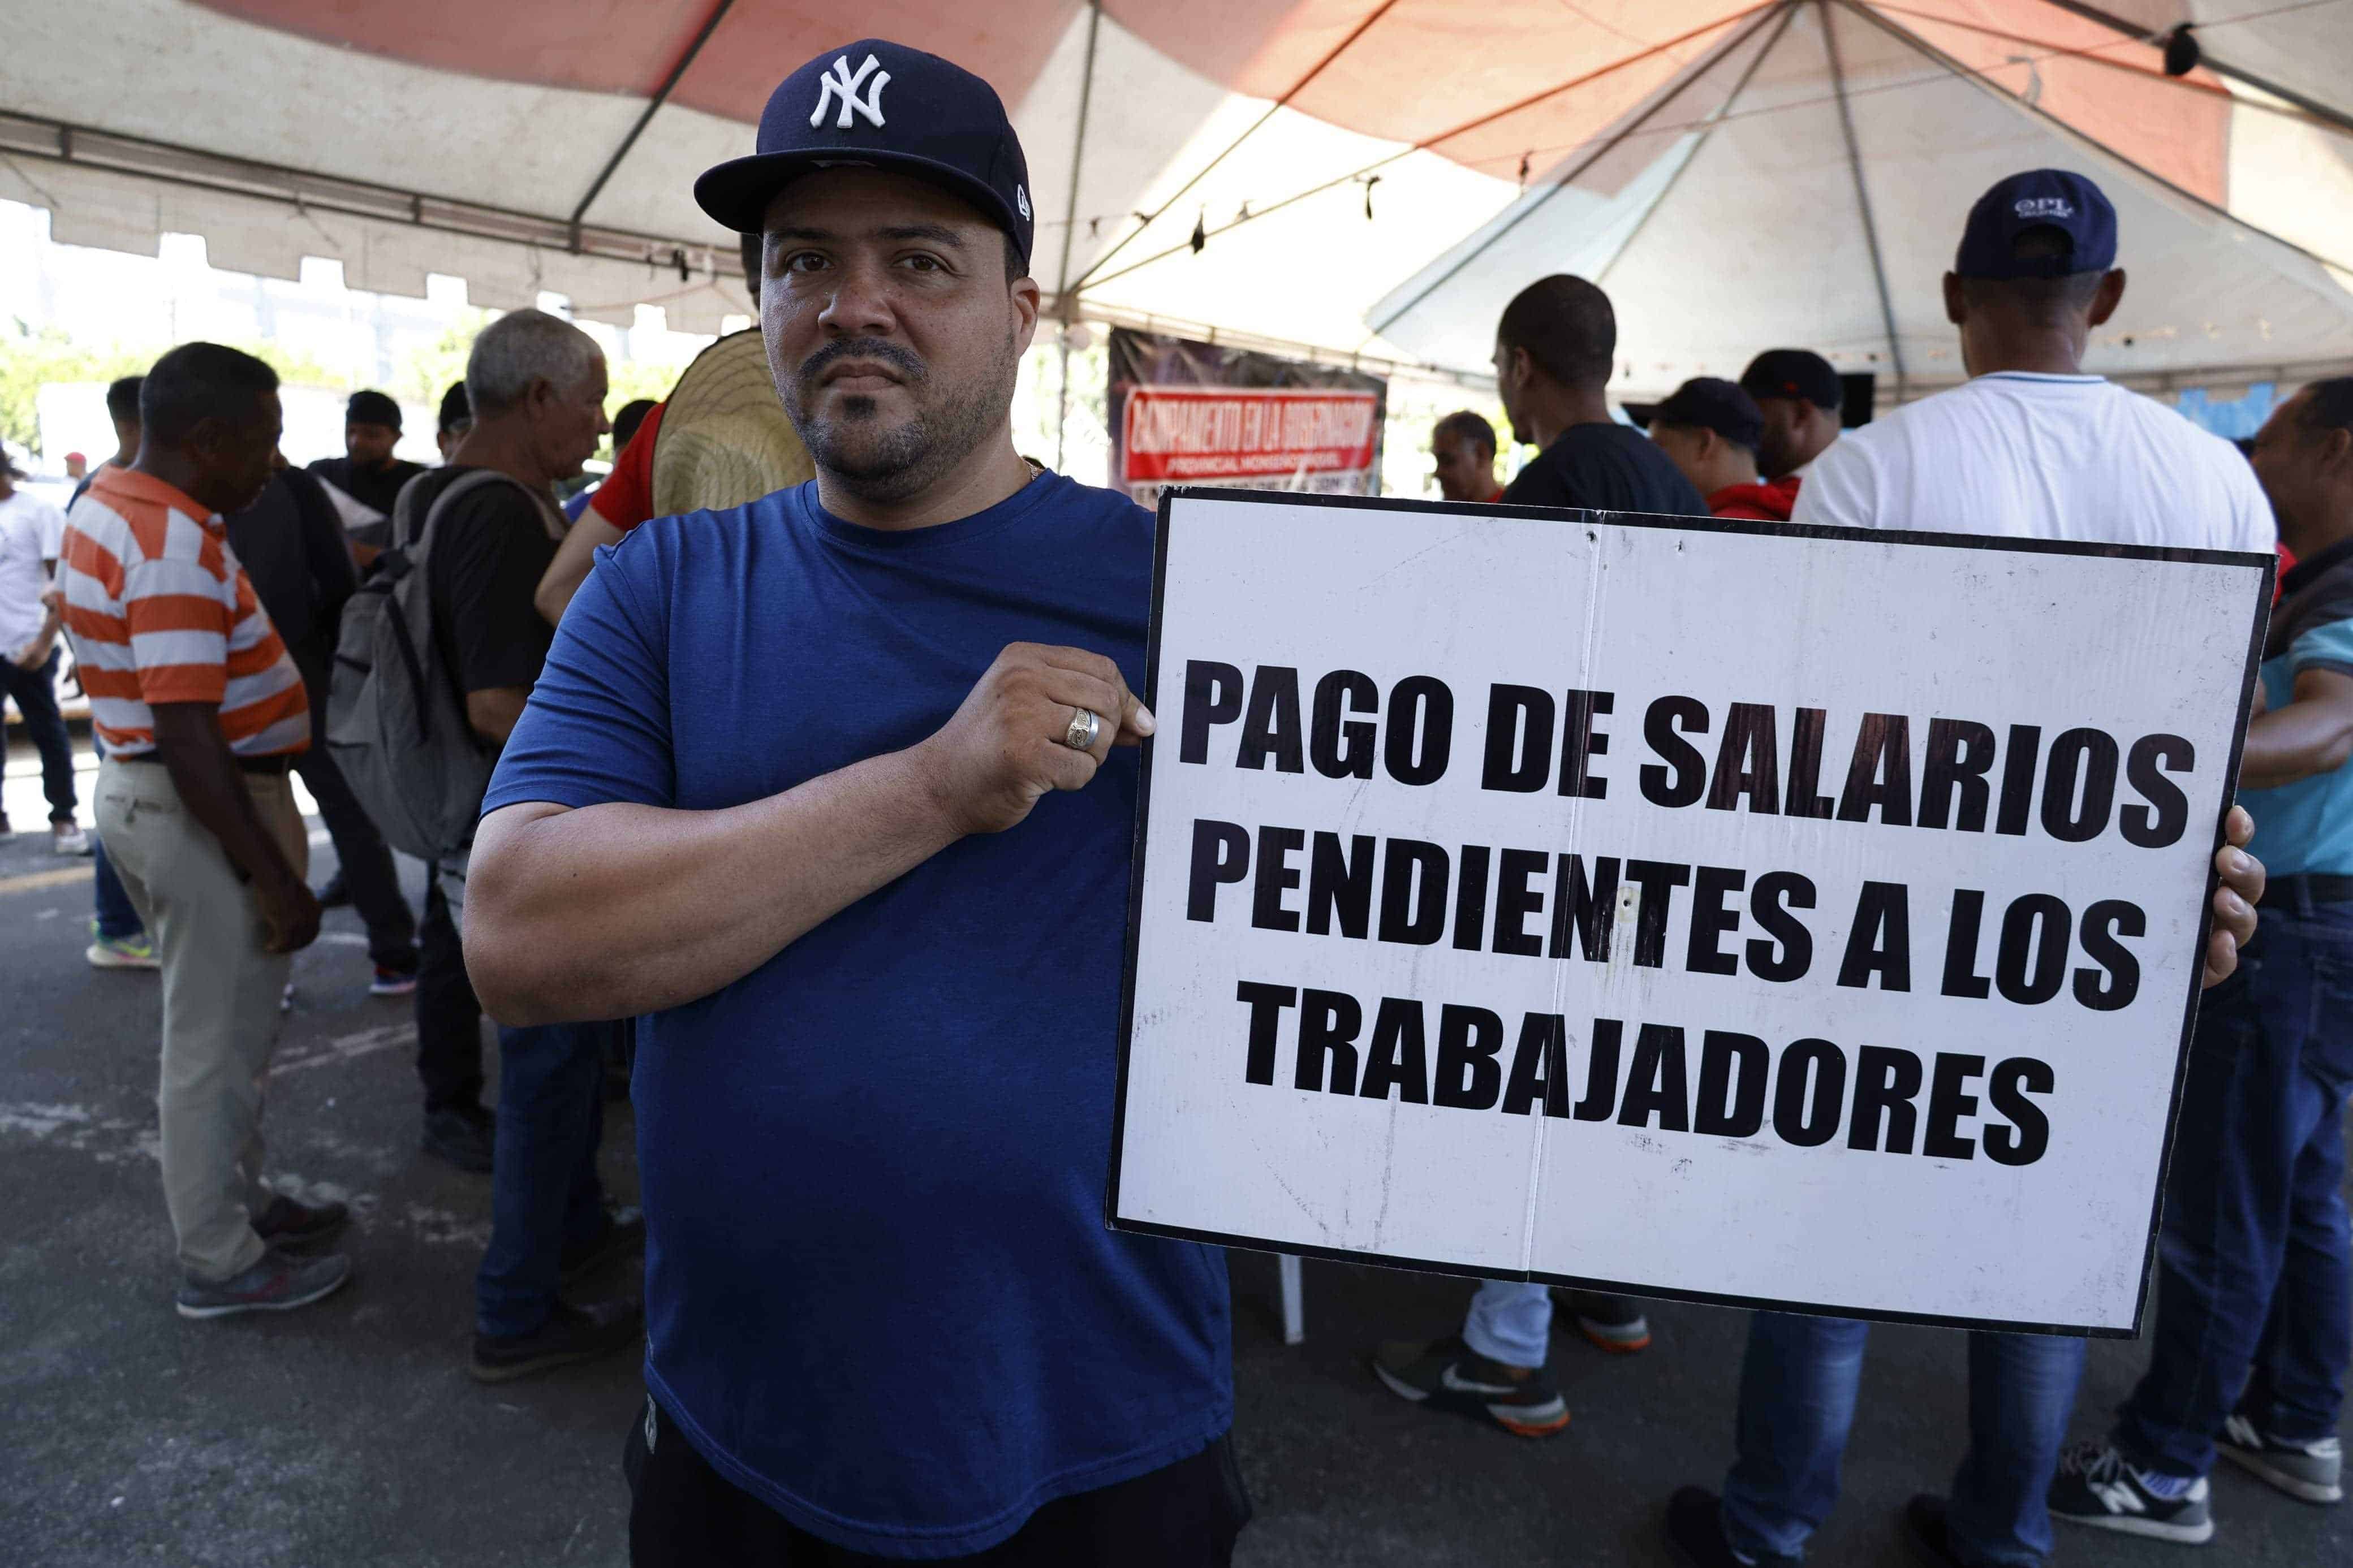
(1450, 1376)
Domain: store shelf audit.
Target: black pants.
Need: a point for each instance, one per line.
(366, 863)
(449, 1016)
(36, 691)
(683, 1514)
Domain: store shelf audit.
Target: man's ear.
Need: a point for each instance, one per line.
(2110, 294)
(1026, 297)
(1957, 310)
(2336, 450)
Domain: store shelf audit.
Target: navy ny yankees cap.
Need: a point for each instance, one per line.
(881, 105)
(2039, 198)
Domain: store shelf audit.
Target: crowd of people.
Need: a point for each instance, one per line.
(848, 776)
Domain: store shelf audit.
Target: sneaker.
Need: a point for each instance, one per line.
(2095, 1487)
(334, 895)
(622, 1236)
(291, 1226)
(1612, 1323)
(1450, 1376)
(122, 952)
(1696, 1530)
(464, 1137)
(66, 838)
(277, 1284)
(1924, 1526)
(392, 982)
(574, 1334)
(2314, 1471)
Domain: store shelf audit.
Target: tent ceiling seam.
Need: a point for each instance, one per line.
(2219, 67)
(2002, 95)
(662, 96)
(1202, 173)
(1078, 147)
(189, 168)
(1448, 134)
(1862, 199)
(1675, 90)
(1722, 112)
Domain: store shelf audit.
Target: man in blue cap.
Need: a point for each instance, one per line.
(846, 773)
(2029, 447)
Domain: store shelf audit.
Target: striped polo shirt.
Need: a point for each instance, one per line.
(159, 611)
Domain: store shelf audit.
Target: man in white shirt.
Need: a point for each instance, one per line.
(2030, 447)
(30, 530)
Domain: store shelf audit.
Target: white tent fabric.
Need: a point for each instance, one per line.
(1370, 177)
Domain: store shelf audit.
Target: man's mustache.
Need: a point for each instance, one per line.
(878, 350)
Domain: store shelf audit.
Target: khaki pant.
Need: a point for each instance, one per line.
(220, 1000)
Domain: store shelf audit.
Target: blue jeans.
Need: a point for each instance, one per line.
(36, 691)
(117, 919)
(544, 1191)
(1510, 1321)
(1798, 1385)
(2254, 1290)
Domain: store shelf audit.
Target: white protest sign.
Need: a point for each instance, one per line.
(1712, 910)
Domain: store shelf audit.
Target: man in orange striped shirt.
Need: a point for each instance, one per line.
(202, 711)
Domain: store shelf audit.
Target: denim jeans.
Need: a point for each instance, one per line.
(2255, 1292)
(1510, 1321)
(116, 916)
(1798, 1385)
(36, 691)
(544, 1191)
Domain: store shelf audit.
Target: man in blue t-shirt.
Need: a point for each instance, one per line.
(844, 776)
(2255, 1284)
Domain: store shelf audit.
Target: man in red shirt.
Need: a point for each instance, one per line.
(1711, 430)
(1462, 447)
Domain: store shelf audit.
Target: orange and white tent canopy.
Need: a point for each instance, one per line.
(1370, 177)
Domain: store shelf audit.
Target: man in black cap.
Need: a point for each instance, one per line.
(2031, 448)
(368, 472)
(1711, 430)
(846, 775)
(1802, 401)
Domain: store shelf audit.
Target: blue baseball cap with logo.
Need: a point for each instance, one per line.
(2039, 198)
(879, 105)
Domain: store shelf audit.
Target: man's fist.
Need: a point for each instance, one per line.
(290, 916)
(1004, 747)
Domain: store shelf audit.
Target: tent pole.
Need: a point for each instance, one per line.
(1674, 91)
(1994, 89)
(1862, 200)
(2336, 117)
(1066, 306)
(1296, 87)
(662, 96)
(1723, 111)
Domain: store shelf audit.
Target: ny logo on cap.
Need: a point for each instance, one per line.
(2031, 207)
(839, 82)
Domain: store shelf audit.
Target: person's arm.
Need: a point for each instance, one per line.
(204, 770)
(2312, 734)
(494, 710)
(689, 902)
(574, 557)
(34, 654)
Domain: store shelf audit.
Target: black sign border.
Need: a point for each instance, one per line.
(2269, 565)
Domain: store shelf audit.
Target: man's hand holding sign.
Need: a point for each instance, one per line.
(1783, 966)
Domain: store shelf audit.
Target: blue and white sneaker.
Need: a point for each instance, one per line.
(2096, 1487)
(2314, 1471)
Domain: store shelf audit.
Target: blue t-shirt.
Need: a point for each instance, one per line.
(2306, 827)
(880, 1296)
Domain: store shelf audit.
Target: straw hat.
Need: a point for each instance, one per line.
(725, 440)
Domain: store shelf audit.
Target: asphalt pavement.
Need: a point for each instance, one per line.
(349, 1433)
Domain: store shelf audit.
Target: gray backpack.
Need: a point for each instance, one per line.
(396, 724)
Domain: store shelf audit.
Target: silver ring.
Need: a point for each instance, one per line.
(1084, 728)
